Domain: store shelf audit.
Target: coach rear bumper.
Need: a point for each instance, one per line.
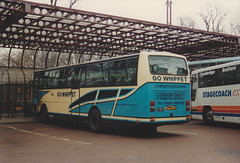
(148, 121)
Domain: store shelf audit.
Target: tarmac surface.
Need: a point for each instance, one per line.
(27, 139)
(17, 119)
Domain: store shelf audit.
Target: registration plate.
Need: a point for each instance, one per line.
(171, 108)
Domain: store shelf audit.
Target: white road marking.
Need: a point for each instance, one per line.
(39, 134)
(64, 139)
(178, 132)
(80, 142)
(53, 137)
(11, 127)
(26, 131)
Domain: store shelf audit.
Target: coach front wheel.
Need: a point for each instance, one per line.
(45, 114)
(94, 121)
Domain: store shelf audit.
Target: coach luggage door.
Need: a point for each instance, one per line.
(74, 107)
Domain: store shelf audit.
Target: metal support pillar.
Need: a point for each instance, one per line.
(34, 59)
(46, 61)
(9, 57)
(58, 58)
(23, 51)
(79, 60)
(69, 58)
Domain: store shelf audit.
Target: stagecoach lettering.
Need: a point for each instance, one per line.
(236, 92)
(223, 93)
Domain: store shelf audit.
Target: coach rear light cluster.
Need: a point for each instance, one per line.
(187, 105)
(152, 106)
(152, 119)
(188, 117)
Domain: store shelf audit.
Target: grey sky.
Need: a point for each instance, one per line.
(155, 10)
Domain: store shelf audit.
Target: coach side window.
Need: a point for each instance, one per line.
(123, 73)
(43, 79)
(55, 79)
(226, 75)
(83, 76)
(73, 77)
(208, 79)
(229, 75)
(68, 78)
(76, 77)
(237, 75)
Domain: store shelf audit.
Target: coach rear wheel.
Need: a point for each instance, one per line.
(208, 117)
(94, 121)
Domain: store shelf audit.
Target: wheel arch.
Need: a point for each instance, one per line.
(92, 108)
(206, 108)
(207, 115)
(95, 119)
(43, 106)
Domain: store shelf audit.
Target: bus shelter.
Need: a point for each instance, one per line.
(37, 36)
(76, 36)
(15, 85)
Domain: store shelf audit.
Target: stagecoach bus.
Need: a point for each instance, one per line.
(216, 93)
(148, 89)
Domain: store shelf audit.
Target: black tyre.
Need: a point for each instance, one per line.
(94, 121)
(208, 117)
(45, 114)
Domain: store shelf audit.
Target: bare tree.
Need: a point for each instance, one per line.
(72, 2)
(213, 17)
(187, 22)
(235, 28)
(53, 2)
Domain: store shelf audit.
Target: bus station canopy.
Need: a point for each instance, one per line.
(41, 27)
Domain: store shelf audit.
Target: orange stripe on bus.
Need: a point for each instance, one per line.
(220, 109)
(226, 111)
(226, 107)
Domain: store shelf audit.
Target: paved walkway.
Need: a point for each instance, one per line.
(18, 119)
